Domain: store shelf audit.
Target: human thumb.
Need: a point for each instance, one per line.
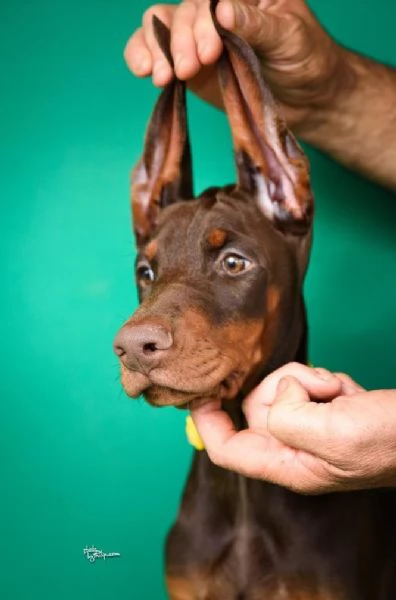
(294, 419)
(251, 23)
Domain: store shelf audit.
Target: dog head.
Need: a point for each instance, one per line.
(220, 274)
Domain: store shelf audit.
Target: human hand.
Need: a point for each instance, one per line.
(345, 440)
(301, 62)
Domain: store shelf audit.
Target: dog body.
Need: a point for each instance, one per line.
(241, 539)
(220, 280)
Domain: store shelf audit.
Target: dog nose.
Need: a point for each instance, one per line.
(142, 344)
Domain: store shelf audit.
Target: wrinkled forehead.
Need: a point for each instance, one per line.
(188, 228)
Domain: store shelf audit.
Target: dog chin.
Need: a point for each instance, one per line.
(158, 395)
(161, 396)
(136, 384)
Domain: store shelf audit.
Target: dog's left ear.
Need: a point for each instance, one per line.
(270, 163)
(163, 175)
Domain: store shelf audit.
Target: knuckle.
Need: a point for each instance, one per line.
(187, 8)
(194, 3)
(292, 368)
(159, 10)
(343, 376)
(295, 365)
(288, 369)
(216, 457)
(148, 15)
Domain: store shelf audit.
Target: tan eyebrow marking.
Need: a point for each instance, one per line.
(217, 237)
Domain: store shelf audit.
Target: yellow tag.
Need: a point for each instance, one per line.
(192, 434)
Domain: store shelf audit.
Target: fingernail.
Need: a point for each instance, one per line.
(282, 385)
(324, 374)
(348, 389)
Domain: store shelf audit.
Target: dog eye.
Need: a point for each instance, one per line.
(235, 264)
(145, 274)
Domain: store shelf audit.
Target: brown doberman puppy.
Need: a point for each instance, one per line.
(220, 280)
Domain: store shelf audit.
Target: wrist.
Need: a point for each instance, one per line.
(323, 112)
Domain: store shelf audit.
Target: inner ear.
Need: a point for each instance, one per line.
(270, 163)
(163, 175)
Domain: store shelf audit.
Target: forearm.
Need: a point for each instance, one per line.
(358, 127)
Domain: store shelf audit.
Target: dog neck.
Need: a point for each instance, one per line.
(293, 346)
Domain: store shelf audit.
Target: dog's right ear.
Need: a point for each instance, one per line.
(163, 174)
(271, 165)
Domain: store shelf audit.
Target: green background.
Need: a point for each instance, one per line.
(81, 463)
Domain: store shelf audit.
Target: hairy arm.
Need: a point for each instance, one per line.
(357, 126)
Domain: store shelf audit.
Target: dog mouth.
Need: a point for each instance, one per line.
(136, 383)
